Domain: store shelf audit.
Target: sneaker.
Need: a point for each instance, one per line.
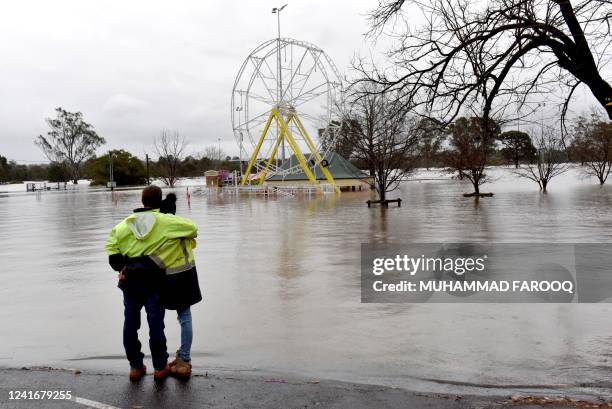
(137, 374)
(161, 374)
(180, 368)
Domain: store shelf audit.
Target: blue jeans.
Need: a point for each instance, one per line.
(157, 339)
(184, 318)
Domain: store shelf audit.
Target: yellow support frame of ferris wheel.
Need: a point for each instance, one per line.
(285, 134)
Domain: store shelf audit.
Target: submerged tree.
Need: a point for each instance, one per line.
(431, 135)
(71, 140)
(381, 135)
(517, 147)
(592, 145)
(170, 148)
(471, 144)
(551, 160)
(521, 47)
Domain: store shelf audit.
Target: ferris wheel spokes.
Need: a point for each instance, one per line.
(274, 113)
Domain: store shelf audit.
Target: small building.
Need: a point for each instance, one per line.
(218, 178)
(346, 175)
(212, 178)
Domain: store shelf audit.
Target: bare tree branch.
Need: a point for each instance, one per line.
(170, 148)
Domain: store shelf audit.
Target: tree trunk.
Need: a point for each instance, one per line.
(584, 66)
(476, 188)
(382, 194)
(603, 92)
(516, 163)
(544, 183)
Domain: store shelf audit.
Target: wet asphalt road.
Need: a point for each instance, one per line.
(111, 391)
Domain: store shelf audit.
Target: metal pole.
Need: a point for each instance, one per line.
(147, 162)
(240, 155)
(280, 79)
(110, 168)
(279, 91)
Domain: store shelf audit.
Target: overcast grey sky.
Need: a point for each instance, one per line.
(135, 67)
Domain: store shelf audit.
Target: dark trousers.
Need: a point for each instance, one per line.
(155, 317)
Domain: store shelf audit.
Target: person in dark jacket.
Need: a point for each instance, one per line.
(179, 292)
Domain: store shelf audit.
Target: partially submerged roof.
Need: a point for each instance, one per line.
(339, 167)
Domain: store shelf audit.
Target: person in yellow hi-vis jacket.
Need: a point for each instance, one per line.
(154, 253)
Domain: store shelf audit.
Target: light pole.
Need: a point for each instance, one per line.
(239, 109)
(279, 73)
(110, 171)
(147, 161)
(240, 155)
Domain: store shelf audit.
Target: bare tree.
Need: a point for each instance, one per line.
(215, 154)
(332, 140)
(70, 141)
(381, 136)
(592, 145)
(170, 149)
(510, 48)
(551, 160)
(471, 144)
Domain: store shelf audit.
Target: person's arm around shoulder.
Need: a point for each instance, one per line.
(181, 227)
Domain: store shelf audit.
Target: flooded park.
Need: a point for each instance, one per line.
(397, 204)
(280, 279)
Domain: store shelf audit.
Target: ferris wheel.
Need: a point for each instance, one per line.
(283, 104)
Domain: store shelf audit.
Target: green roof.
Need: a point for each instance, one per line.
(339, 167)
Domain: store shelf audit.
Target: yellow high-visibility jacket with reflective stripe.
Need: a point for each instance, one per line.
(168, 239)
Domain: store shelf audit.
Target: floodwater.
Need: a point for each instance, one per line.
(281, 282)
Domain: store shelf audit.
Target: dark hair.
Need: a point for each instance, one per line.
(168, 205)
(152, 197)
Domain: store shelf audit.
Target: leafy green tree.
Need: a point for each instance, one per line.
(58, 172)
(38, 172)
(71, 140)
(127, 169)
(11, 171)
(517, 147)
(4, 169)
(431, 136)
(471, 142)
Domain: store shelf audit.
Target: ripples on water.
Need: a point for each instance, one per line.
(281, 286)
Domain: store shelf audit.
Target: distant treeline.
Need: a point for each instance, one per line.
(127, 169)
